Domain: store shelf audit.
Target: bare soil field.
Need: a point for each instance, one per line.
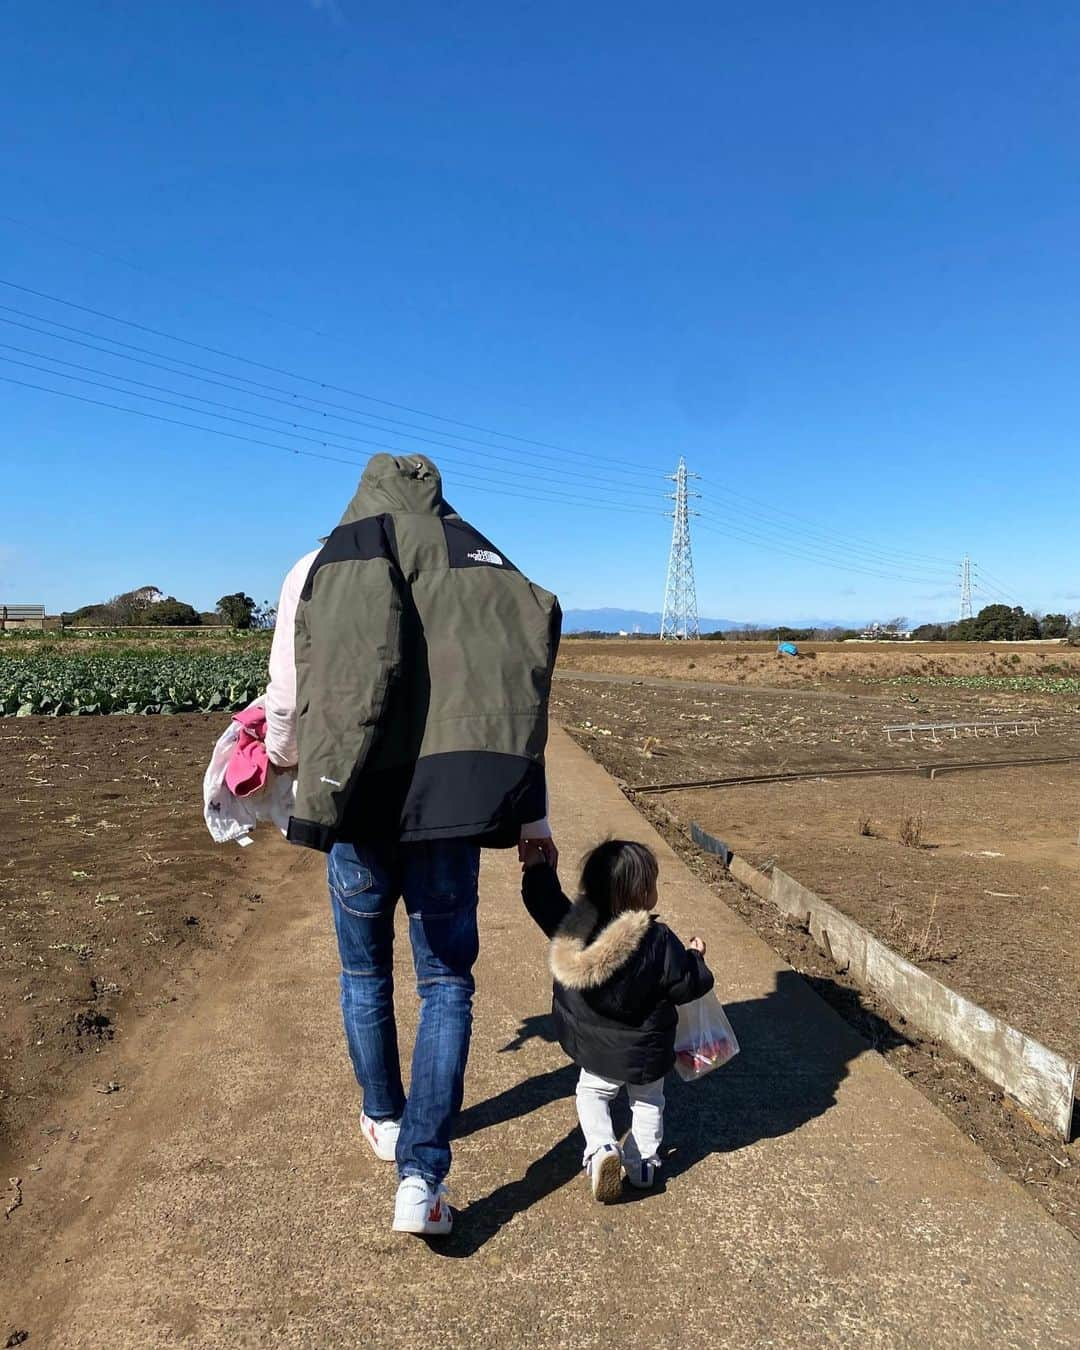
(986, 895)
(996, 860)
(650, 733)
(833, 663)
(111, 896)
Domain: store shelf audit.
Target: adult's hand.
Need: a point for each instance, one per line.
(539, 850)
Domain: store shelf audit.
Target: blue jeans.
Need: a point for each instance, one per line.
(439, 883)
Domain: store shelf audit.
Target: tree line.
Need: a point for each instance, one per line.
(147, 606)
(1001, 623)
(993, 623)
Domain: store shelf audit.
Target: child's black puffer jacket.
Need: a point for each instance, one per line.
(617, 985)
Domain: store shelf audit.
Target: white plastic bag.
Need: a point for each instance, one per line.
(704, 1039)
(230, 818)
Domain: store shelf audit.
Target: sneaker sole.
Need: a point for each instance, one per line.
(420, 1229)
(382, 1157)
(607, 1185)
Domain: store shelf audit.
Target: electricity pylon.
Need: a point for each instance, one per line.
(965, 589)
(680, 618)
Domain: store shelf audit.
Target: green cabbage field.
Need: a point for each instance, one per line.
(58, 683)
(1023, 684)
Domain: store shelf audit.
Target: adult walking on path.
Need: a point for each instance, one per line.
(409, 680)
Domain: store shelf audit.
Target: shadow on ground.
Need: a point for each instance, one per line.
(794, 1056)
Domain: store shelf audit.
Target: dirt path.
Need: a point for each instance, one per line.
(812, 1196)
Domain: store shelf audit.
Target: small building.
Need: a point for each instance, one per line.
(879, 632)
(15, 618)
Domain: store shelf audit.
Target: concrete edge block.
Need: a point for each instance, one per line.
(1042, 1081)
(757, 881)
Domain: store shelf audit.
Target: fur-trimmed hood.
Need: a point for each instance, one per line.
(578, 963)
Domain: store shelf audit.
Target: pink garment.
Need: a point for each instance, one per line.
(249, 764)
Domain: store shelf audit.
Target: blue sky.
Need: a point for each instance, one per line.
(830, 254)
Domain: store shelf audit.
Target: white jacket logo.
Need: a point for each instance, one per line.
(485, 555)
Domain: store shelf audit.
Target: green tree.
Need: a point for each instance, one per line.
(131, 607)
(994, 623)
(171, 613)
(1055, 626)
(237, 610)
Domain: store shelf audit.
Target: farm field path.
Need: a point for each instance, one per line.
(811, 1195)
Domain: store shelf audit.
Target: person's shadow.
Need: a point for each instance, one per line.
(794, 1054)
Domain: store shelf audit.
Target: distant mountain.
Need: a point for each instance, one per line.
(638, 620)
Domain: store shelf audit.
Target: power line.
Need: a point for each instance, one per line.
(187, 283)
(1002, 589)
(814, 545)
(303, 379)
(514, 458)
(765, 533)
(770, 545)
(851, 541)
(815, 542)
(532, 495)
(820, 543)
(350, 416)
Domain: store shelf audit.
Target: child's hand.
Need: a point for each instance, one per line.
(532, 852)
(696, 945)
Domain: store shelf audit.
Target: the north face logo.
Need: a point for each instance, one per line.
(485, 555)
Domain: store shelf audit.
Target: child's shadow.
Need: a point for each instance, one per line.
(794, 1055)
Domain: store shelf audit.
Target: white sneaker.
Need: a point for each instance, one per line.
(382, 1135)
(605, 1174)
(642, 1175)
(422, 1208)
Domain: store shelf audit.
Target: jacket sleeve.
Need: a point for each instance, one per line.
(280, 699)
(686, 976)
(540, 829)
(543, 897)
(348, 659)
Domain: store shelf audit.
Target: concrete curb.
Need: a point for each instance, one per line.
(1038, 1079)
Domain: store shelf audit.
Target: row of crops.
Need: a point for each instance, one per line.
(60, 683)
(1023, 684)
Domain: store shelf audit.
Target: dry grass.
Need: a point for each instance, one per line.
(865, 826)
(919, 943)
(911, 829)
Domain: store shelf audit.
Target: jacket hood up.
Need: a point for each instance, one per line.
(578, 963)
(398, 483)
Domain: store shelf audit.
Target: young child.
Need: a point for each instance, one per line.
(620, 975)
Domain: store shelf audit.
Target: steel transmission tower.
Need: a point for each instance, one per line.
(680, 619)
(965, 589)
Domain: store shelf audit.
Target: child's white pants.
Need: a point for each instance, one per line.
(594, 1098)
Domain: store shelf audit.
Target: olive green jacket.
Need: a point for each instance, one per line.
(423, 669)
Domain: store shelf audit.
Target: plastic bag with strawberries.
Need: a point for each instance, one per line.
(704, 1039)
